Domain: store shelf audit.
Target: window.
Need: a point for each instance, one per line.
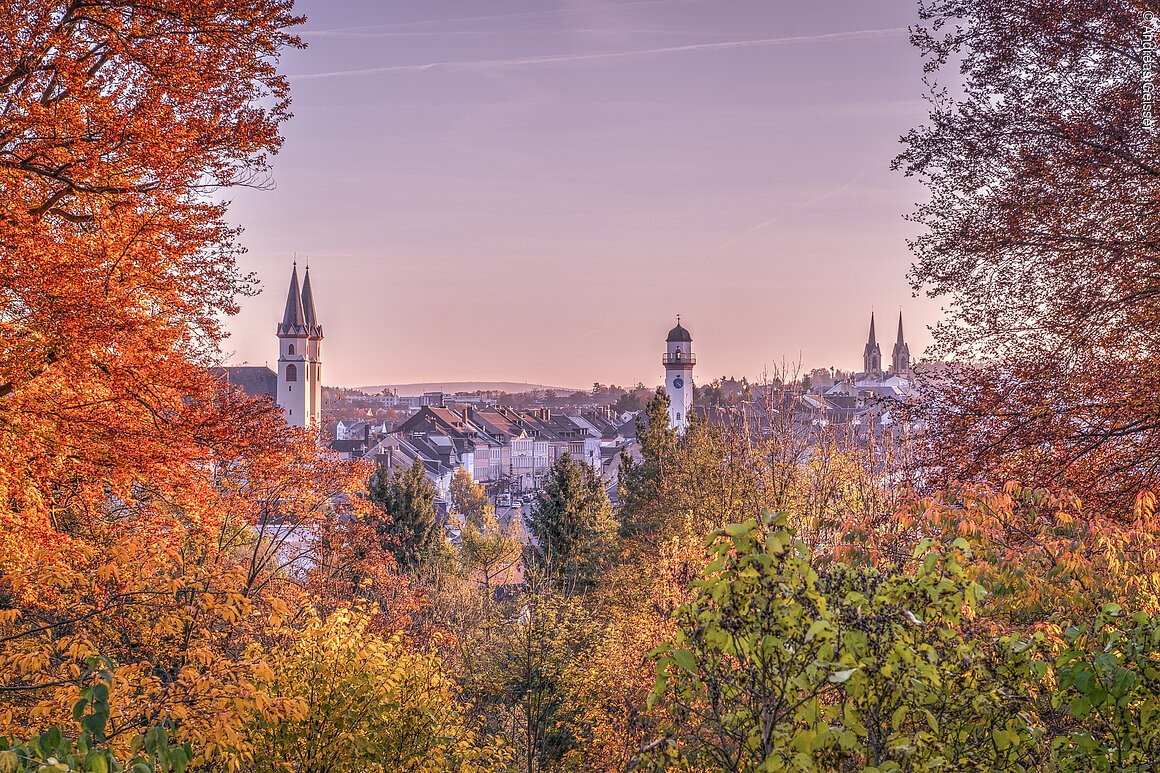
(291, 372)
(290, 349)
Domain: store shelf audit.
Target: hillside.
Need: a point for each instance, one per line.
(511, 387)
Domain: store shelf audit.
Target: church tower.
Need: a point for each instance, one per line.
(679, 361)
(900, 359)
(872, 354)
(313, 348)
(299, 356)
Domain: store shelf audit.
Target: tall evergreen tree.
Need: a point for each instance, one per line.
(409, 499)
(572, 523)
(640, 482)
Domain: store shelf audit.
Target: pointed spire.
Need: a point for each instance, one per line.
(293, 318)
(309, 313)
(900, 358)
(871, 341)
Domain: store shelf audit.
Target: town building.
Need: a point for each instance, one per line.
(679, 360)
(300, 356)
(872, 356)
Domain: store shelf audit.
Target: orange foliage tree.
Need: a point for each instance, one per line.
(149, 514)
(1041, 235)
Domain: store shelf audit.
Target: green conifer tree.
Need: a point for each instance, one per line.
(572, 524)
(640, 483)
(408, 498)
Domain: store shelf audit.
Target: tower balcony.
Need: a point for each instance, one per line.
(682, 359)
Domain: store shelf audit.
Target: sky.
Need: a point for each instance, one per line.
(532, 190)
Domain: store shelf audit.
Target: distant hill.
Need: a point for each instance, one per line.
(511, 387)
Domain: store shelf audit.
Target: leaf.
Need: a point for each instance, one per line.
(838, 677)
(816, 627)
(685, 660)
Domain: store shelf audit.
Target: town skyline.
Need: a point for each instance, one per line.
(533, 194)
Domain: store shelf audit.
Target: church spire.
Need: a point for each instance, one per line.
(309, 313)
(294, 317)
(900, 358)
(872, 354)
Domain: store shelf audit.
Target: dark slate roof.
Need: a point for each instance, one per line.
(872, 341)
(679, 335)
(254, 380)
(308, 311)
(294, 317)
(356, 447)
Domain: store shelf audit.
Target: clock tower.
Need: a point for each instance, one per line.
(679, 361)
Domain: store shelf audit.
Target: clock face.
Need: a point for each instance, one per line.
(678, 382)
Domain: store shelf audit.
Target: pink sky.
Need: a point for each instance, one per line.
(530, 191)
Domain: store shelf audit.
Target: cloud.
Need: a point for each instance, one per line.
(532, 61)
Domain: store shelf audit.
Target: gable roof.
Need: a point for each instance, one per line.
(254, 380)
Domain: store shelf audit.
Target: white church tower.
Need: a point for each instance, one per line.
(679, 361)
(300, 356)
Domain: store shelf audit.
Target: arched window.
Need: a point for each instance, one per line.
(290, 349)
(291, 372)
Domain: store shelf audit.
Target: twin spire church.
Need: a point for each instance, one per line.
(300, 355)
(872, 355)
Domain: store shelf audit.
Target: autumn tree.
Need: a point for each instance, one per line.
(468, 498)
(489, 552)
(782, 665)
(407, 500)
(85, 747)
(365, 702)
(151, 513)
(1041, 236)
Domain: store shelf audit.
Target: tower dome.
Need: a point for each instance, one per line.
(678, 334)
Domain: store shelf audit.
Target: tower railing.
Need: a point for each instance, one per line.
(679, 359)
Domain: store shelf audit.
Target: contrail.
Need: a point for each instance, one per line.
(481, 64)
(490, 17)
(372, 34)
(766, 223)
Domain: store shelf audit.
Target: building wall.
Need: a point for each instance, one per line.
(294, 396)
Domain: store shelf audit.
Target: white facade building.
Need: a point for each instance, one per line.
(679, 361)
(300, 356)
